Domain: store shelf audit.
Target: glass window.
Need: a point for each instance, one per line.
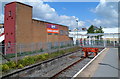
(55, 33)
(61, 32)
(49, 33)
(10, 13)
(66, 32)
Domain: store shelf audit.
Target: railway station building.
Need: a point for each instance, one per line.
(20, 28)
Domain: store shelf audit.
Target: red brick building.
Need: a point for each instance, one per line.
(20, 28)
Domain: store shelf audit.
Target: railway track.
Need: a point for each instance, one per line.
(30, 71)
(17, 72)
(57, 75)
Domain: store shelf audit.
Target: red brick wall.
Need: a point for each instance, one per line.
(9, 25)
(20, 28)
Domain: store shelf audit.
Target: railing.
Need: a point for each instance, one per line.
(22, 50)
(98, 43)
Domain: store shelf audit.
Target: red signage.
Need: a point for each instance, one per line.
(49, 30)
(52, 28)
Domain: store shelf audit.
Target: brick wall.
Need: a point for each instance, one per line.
(27, 30)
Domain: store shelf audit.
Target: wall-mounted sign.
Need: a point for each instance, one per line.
(52, 28)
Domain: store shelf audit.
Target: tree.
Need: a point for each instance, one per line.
(99, 30)
(94, 29)
(69, 30)
(91, 29)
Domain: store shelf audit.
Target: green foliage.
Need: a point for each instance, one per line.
(46, 54)
(36, 58)
(28, 60)
(91, 29)
(20, 66)
(11, 64)
(5, 67)
(42, 57)
(94, 29)
(99, 30)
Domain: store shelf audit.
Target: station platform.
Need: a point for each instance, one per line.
(108, 67)
(105, 65)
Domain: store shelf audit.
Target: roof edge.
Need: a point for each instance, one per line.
(19, 3)
(50, 22)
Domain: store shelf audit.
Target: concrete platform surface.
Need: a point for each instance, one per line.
(108, 67)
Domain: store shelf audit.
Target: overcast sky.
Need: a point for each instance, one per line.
(101, 13)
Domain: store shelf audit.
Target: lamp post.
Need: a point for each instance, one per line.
(77, 32)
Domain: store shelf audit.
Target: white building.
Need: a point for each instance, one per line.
(109, 34)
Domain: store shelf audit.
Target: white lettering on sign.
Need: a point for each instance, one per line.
(52, 30)
(53, 26)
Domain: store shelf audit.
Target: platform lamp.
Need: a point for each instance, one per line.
(77, 32)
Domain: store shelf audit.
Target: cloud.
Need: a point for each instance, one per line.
(42, 11)
(81, 23)
(1, 18)
(107, 13)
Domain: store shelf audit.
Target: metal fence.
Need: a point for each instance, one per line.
(10, 50)
(99, 43)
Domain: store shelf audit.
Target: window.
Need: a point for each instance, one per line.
(55, 33)
(61, 32)
(11, 33)
(9, 44)
(66, 32)
(49, 33)
(10, 13)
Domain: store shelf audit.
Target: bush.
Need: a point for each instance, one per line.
(24, 61)
(11, 64)
(36, 57)
(27, 61)
(31, 60)
(42, 57)
(5, 67)
(46, 54)
(20, 66)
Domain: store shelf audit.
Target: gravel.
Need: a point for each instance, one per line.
(73, 70)
(51, 68)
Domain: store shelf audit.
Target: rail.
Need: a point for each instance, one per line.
(57, 74)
